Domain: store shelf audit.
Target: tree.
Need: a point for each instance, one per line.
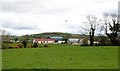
(5, 38)
(24, 39)
(85, 41)
(103, 40)
(24, 44)
(112, 27)
(16, 39)
(92, 21)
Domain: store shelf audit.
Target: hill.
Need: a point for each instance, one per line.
(46, 34)
(64, 35)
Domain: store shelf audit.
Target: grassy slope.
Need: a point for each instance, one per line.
(65, 35)
(61, 56)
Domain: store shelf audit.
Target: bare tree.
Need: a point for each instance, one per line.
(5, 36)
(112, 27)
(92, 21)
(2, 32)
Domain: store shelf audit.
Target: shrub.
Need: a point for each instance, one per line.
(4, 46)
(35, 44)
(10, 47)
(19, 45)
(85, 41)
(30, 46)
(46, 46)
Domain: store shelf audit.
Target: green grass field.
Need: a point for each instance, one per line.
(0, 59)
(61, 57)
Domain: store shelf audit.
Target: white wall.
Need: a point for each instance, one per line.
(39, 42)
(34, 41)
(50, 42)
(61, 42)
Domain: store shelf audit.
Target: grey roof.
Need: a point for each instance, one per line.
(57, 38)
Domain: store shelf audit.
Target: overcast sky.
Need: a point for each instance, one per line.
(21, 17)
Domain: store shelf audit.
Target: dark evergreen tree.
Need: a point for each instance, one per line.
(24, 43)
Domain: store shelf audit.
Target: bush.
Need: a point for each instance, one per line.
(35, 44)
(97, 44)
(85, 41)
(19, 45)
(4, 46)
(30, 46)
(46, 46)
(10, 47)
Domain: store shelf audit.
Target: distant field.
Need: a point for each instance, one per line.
(61, 57)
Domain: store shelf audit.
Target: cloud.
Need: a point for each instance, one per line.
(19, 5)
(36, 16)
(38, 6)
(17, 25)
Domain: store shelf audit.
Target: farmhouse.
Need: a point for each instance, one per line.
(43, 40)
(49, 39)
